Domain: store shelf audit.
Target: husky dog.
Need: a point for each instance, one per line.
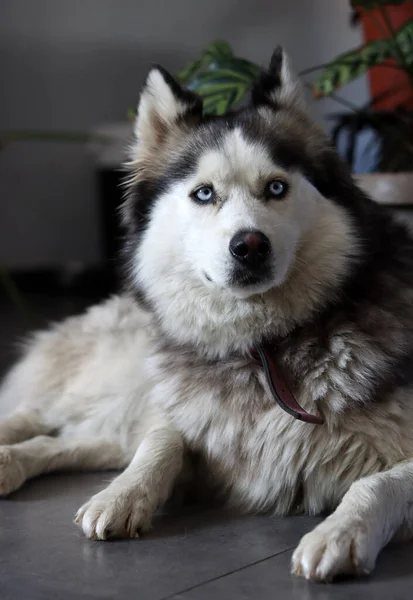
(244, 232)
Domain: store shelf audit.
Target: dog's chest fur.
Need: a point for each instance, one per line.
(258, 455)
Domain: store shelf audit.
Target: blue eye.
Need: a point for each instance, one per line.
(204, 194)
(277, 188)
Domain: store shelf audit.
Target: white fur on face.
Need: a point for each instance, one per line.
(184, 235)
(184, 243)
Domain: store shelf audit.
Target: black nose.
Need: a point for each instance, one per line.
(250, 247)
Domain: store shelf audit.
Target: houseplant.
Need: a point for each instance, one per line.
(223, 81)
(387, 58)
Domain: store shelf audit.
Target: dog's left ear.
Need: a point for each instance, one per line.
(279, 85)
(163, 106)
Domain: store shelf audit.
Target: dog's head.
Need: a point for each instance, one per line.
(236, 224)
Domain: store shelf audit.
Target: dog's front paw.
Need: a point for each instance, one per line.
(335, 547)
(115, 514)
(12, 474)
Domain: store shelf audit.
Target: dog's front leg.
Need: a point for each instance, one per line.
(373, 510)
(126, 507)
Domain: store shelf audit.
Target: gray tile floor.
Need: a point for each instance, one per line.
(196, 554)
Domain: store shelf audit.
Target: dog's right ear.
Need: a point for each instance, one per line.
(163, 106)
(279, 85)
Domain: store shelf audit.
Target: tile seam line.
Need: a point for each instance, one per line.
(218, 577)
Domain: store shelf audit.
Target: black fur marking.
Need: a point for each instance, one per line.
(180, 168)
(244, 277)
(142, 196)
(399, 375)
(139, 204)
(324, 169)
(276, 61)
(263, 90)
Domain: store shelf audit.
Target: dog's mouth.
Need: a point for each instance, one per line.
(243, 278)
(244, 283)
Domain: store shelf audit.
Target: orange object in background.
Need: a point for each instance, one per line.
(384, 79)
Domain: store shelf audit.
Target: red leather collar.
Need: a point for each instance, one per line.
(279, 387)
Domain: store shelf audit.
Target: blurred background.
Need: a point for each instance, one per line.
(78, 67)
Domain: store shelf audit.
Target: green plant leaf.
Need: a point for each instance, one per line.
(349, 66)
(220, 78)
(222, 88)
(216, 51)
(375, 3)
(404, 39)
